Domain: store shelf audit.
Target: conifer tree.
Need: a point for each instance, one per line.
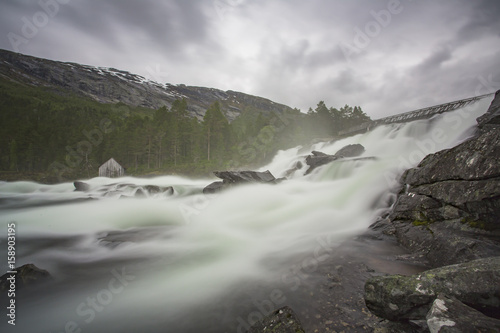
(215, 128)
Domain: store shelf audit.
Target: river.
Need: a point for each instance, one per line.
(189, 262)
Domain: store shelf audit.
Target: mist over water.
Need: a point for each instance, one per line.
(183, 262)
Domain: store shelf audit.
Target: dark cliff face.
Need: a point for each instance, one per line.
(109, 85)
(450, 209)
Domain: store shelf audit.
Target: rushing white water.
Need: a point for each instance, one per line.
(179, 263)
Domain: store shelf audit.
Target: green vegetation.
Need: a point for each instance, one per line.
(424, 223)
(475, 223)
(421, 223)
(64, 136)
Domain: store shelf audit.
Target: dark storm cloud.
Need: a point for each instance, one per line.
(433, 62)
(483, 19)
(169, 25)
(406, 54)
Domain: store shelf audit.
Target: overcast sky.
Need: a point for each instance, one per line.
(386, 56)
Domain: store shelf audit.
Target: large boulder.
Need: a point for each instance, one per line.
(398, 297)
(283, 320)
(317, 158)
(214, 187)
(81, 186)
(475, 159)
(449, 208)
(446, 242)
(230, 178)
(449, 315)
(353, 150)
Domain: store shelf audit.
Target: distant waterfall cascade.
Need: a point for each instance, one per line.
(125, 259)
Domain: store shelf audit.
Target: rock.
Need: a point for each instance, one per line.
(475, 159)
(139, 193)
(27, 275)
(492, 117)
(81, 186)
(449, 315)
(125, 190)
(318, 158)
(446, 242)
(450, 206)
(298, 165)
(398, 297)
(283, 320)
(213, 188)
(153, 189)
(230, 178)
(245, 176)
(351, 151)
(416, 207)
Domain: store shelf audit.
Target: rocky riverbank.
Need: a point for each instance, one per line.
(448, 216)
(448, 213)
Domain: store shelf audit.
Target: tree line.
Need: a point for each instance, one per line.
(67, 136)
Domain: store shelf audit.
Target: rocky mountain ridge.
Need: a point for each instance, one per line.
(109, 85)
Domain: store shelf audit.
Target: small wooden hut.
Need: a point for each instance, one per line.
(111, 169)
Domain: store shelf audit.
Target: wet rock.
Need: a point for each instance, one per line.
(213, 187)
(492, 117)
(283, 320)
(351, 151)
(27, 275)
(475, 159)
(298, 165)
(245, 176)
(230, 178)
(318, 158)
(115, 238)
(398, 297)
(416, 207)
(450, 206)
(446, 242)
(153, 189)
(125, 190)
(139, 193)
(81, 186)
(449, 315)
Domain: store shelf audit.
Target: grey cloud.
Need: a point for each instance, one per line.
(285, 50)
(432, 64)
(169, 26)
(483, 19)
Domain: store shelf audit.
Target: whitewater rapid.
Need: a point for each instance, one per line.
(182, 262)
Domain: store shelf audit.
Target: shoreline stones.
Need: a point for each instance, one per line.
(282, 320)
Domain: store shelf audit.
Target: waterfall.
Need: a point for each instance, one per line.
(186, 262)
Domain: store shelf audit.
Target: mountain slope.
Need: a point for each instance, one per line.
(109, 85)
